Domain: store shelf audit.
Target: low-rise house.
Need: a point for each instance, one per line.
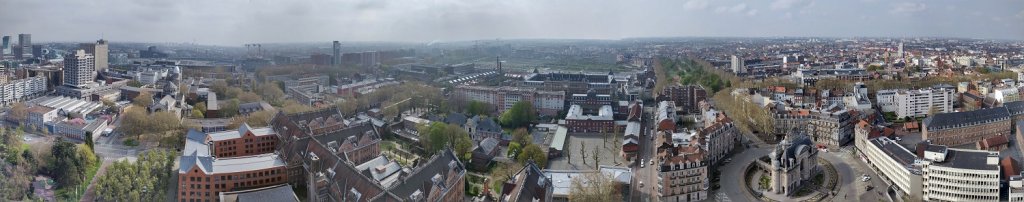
(481, 127)
(248, 108)
(484, 153)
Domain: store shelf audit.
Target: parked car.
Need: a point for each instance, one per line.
(868, 188)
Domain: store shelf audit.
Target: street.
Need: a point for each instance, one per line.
(648, 174)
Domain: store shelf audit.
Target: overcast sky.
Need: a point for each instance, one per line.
(235, 22)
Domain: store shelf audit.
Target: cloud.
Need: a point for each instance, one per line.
(752, 12)
(732, 9)
(695, 5)
(1020, 14)
(786, 4)
(907, 8)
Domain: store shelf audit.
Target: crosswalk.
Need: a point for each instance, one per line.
(722, 197)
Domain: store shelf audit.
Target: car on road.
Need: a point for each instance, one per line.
(641, 163)
(652, 162)
(27, 139)
(641, 183)
(865, 178)
(728, 160)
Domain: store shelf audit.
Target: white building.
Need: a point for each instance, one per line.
(1015, 189)
(886, 99)
(916, 103)
(16, 90)
(737, 65)
(1006, 94)
(959, 175)
(79, 68)
(895, 164)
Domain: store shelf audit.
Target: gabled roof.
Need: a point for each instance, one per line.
(487, 145)
(455, 118)
(968, 118)
(486, 124)
(440, 172)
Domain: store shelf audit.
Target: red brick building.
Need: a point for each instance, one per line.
(203, 175)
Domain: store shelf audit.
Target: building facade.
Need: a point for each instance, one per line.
(202, 175)
(603, 121)
(959, 128)
(947, 171)
(503, 98)
(832, 127)
(793, 162)
(100, 50)
(685, 97)
(918, 102)
(79, 69)
(683, 167)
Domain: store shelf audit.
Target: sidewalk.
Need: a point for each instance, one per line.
(90, 194)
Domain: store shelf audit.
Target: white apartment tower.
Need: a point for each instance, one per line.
(79, 68)
(737, 65)
(916, 103)
(100, 51)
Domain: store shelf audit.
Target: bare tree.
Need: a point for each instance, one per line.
(595, 186)
(583, 152)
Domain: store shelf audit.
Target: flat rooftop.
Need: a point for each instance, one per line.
(968, 159)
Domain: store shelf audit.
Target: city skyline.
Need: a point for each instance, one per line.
(237, 22)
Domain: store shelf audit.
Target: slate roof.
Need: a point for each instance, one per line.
(277, 193)
(254, 106)
(487, 124)
(527, 183)
(455, 118)
(487, 146)
(968, 118)
(421, 179)
(235, 134)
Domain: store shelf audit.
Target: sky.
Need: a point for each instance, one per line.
(237, 22)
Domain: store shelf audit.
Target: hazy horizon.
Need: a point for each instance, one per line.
(234, 23)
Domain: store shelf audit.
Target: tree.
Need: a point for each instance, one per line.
(229, 108)
(595, 186)
(476, 108)
(437, 135)
(19, 112)
(432, 137)
(534, 153)
(291, 106)
(135, 83)
(201, 106)
(521, 114)
(144, 99)
(501, 173)
(68, 167)
(597, 157)
(220, 87)
(88, 140)
(255, 119)
(522, 136)
(583, 153)
(270, 92)
(136, 181)
(247, 97)
(514, 148)
(197, 114)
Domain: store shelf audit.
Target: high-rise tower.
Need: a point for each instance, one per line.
(79, 68)
(25, 44)
(336, 56)
(100, 51)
